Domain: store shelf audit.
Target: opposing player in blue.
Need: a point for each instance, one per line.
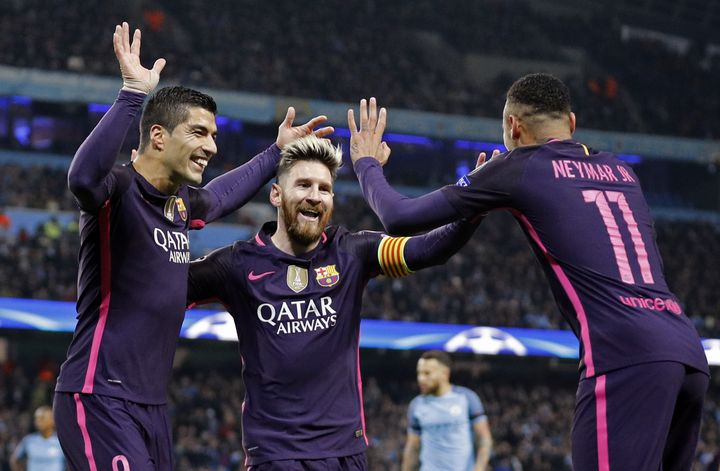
(295, 292)
(39, 451)
(643, 372)
(447, 424)
(110, 402)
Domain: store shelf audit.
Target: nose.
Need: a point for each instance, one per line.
(210, 146)
(313, 196)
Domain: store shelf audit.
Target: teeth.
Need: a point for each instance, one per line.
(201, 161)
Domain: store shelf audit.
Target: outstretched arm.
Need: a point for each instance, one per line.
(230, 191)
(92, 163)
(398, 213)
(400, 256)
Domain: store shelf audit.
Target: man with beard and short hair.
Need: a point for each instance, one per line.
(295, 292)
(447, 424)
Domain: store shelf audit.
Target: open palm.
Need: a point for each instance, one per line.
(135, 76)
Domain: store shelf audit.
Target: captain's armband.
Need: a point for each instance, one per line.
(391, 256)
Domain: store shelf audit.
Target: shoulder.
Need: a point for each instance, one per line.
(352, 241)
(465, 392)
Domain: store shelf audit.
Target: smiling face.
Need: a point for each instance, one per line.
(190, 146)
(304, 198)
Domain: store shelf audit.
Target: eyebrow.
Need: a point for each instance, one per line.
(201, 127)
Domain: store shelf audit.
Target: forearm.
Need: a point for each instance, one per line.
(410, 460)
(235, 188)
(400, 214)
(437, 246)
(483, 448)
(96, 156)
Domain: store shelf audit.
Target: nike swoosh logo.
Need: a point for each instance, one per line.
(253, 277)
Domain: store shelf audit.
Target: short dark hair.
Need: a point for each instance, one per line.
(169, 107)
(439, 355)
(542, 94)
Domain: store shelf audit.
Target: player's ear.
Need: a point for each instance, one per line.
(514, 124)
(572, 122)
(157, 137)
(275, 195)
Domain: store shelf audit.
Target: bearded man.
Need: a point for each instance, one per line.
(295, 292)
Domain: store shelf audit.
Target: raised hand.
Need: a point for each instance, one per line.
(482, 157)
(367, 141)
(287, 133)
(135, 77)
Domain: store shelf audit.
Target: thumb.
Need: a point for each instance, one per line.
(480, 159)
(289, 117)
(159, 65)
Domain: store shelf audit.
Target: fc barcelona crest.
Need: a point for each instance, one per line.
(327, 276)
(181, 209)
(172, 203)
(297, 278)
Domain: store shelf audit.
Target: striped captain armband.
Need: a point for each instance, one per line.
(391, 255)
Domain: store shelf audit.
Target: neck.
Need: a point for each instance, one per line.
(443, 389)
(282, 240)
(46, 433)
(152, 170)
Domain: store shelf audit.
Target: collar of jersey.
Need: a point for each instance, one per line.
(264, 236)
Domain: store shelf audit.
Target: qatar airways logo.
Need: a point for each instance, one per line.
(653, 304)
(175, 244)
(294, 317)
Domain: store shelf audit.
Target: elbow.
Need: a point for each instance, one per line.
(398, 226)
(78, 183)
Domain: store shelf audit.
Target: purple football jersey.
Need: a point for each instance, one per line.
(298, 325)
(133, 261)
(588, 223)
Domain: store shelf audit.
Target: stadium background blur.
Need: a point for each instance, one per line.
(643, 77)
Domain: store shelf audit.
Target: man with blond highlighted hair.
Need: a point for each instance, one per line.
(295, 292)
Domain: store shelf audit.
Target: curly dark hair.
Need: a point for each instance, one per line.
(542, 93)
(169, 107)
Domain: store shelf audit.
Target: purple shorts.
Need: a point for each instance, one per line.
(99, 433)
(644, 417)
(345, 463)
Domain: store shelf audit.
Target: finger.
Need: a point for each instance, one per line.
(326, 131)
(372, 122)
(316, 121)
(159, 65)
(480, 159)
(496, 152)
(380, 127)
(386, 149)
(351, 122)
(289, 118)
(135, 45)
(125, 36)
(117, 39)
(363, 115)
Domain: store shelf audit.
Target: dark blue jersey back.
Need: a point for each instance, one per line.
(587, 221)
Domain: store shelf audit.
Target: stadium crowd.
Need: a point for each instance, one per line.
(494, 280)
(618, 82)
(530, 419)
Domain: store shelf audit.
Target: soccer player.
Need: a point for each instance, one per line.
(39, 451)
(447, 425)
(295, 292)
(643, 371)
(110, 403)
